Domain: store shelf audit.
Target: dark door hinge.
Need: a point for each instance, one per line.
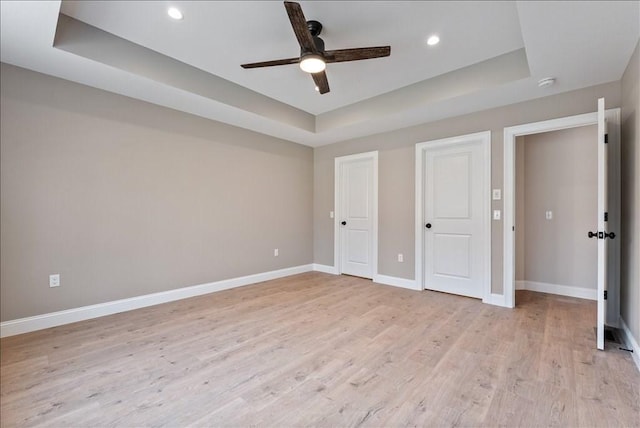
(605, 294)
(606, 216)
(606, 138)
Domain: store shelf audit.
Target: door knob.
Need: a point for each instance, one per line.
(428, 226)
(610, 235)
(592, 234)
(344, 223)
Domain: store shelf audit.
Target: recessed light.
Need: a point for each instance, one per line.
(547, 81)
(433, 40)
(175, 13)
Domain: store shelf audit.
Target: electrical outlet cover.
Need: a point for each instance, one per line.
(54, 280)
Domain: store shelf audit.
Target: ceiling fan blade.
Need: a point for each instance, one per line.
(271, 63)
(321, 82)
(299, 24)
(356, 54)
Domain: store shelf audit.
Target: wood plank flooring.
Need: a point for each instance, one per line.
(323, 350)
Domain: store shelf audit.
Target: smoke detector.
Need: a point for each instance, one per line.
(547, 81)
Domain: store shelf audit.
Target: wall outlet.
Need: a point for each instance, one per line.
(54, 280)
(400, 257)
(497, 194)
(331, 214)
(275, 252)
(548, 215)
(496, 214)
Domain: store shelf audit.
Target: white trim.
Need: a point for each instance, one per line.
(485, 138)
(324, 268)
(487, 297)
(337, 208)
(396, 282)
(508, 193)
(631, 343)
(495, 299)
(561, 290)
(53, 319)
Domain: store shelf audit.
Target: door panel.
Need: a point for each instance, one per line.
(454, 236)
(357, 177)
(358, 246)
(452, 197)
(453, 258)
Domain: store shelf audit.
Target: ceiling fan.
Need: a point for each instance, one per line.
(313, 57)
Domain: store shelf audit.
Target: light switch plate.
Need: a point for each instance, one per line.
(496, 214)
(497, 194)
(548, 215)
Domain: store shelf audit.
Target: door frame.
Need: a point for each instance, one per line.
(509, 199)
(337, 192)
(485, 139)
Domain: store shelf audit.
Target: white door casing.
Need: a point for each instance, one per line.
(356, 213)
(453, 229)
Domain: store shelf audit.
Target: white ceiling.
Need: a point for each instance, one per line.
(491, 54)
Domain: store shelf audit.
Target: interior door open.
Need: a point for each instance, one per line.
(602, 234)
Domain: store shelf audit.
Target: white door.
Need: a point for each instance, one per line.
(356, 212)
(602, 224)
(454, 210)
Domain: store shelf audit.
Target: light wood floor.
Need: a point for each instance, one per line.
(323, 350)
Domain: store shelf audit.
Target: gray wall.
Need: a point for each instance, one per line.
(560, 174)
(124, 198)
(396, 163)
(630, 222)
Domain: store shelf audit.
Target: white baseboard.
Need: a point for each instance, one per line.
(631, 343)
(562, 290)
(396, 282)
(324, 268)
(53, 319)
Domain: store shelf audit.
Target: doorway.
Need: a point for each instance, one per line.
(556, 202)
(613, 219)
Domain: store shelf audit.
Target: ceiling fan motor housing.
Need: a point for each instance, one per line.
(315, 28)
(319, 46)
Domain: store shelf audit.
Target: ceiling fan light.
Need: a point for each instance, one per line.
(312, 63)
